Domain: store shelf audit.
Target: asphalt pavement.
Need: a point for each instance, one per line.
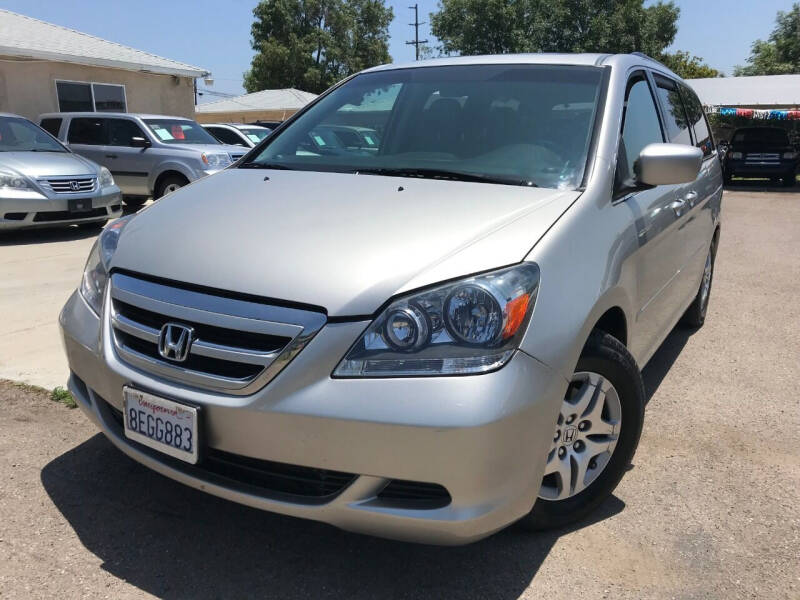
(709, 509)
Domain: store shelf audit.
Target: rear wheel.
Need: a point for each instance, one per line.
(695, 315)
(170, 184)
(595, 437)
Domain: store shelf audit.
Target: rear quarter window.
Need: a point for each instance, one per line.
(51, 126)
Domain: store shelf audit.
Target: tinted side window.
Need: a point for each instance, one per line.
(87, 130)
(694, 109)
(51, 126)
(225, 136)
(121, 131)
(676, 121)
(640, 126)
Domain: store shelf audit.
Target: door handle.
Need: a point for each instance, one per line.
(691, 197)
(111, 156)
(678, 206)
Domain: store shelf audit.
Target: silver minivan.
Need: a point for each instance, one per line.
(425, 341)
(43, 183)
(148, 155)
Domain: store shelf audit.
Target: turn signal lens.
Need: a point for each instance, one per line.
(515, 315)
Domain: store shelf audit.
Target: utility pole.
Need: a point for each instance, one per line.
(417, 42)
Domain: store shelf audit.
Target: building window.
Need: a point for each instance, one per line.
(75, 96)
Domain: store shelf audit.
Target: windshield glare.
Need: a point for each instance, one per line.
(255, 134)
(763, 136)
(516, 123)
(20, 135)
(179, 131)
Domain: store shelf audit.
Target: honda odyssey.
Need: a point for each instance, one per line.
(428, 340)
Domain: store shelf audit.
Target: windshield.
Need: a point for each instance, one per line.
(776, 137)
(255, 134)
(20, 135)
(516, 124)
(179, 131)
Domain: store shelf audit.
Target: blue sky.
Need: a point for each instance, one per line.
(215, 34)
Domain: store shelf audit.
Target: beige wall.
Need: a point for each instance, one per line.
(28, 88)
(246, 116)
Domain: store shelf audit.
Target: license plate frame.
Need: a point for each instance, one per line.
(79, 205)
(151, 413)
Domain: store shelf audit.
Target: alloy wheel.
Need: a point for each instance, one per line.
(585, 436)
(705, 288)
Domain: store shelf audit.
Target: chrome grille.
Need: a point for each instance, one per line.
(236, 347)
(762, 156)
(70, 185)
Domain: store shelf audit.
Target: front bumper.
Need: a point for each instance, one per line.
(745, 168)
(484, 438)
(41, 211)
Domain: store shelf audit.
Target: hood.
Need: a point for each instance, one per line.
(47, 164)
(344, 242)
(211, 148)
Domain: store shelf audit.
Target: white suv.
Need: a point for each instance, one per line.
(148, 155)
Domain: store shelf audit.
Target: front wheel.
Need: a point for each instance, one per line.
(595, 437)
(170, 184)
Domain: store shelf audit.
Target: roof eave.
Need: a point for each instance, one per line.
(100, 62)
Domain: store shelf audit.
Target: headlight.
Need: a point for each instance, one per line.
(13, 181)
(735, 155)
(95, 273)
(106, 179)
(470, 326)
(790, 155)
(216, 161)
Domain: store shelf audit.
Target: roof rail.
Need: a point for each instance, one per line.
(643, 55)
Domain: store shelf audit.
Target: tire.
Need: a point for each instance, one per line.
(134, 201)
(727, 178)
(789, 180)
(609, 360)
(170, 184)
(695, 315)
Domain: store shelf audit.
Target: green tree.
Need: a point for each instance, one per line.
(312, 44)
(501, 26)
(781, 53)
(687, 65)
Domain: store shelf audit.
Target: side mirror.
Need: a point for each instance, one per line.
(140, 142)
(665, 164)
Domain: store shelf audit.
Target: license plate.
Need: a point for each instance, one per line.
(166, 426)
(79, 204)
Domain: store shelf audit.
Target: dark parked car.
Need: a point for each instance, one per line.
(761, 152)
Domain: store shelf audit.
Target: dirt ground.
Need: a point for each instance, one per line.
(710, 508)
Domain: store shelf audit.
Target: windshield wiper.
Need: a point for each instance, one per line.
(42, 150)
(255, 165)
(425, 173)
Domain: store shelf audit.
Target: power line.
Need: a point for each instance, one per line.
(417, 42)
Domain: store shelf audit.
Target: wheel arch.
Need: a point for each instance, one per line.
(169, 173)
(614, 323)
